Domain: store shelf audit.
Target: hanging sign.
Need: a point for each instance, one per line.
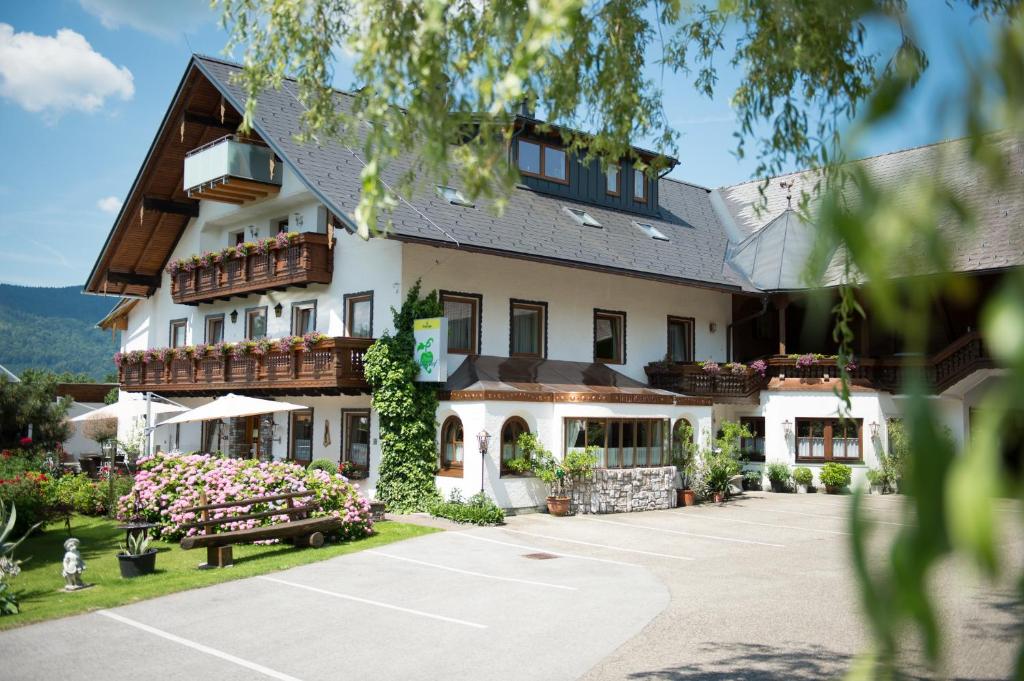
(431, 349)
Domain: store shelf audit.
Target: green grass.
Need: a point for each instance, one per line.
(40, 585)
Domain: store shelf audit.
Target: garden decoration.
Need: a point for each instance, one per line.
(73, 566)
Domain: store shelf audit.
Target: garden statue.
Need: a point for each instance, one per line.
(73, 566)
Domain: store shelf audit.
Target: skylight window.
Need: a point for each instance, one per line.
(582, 217)
(650, 230)
(454, 196)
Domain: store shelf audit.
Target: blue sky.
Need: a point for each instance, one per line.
(84, 84)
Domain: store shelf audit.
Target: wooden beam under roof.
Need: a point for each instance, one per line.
(133, 279)
(186, 208)
(212, 121)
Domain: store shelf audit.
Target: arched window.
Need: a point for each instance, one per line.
(510, 432)
(452, 447)
(683, 434)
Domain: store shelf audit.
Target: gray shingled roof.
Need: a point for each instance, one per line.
(998, 241)
(533, 224)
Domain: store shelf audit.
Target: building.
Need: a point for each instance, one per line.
(580, 314)
(85, 397)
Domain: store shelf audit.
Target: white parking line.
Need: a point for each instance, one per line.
(266, 671)
(378, 604)
(530, 582)
(537, 548)
(687, 534)
(600, 546)
(833, 517)
(692, 515)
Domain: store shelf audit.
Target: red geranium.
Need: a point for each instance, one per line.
(25, 442)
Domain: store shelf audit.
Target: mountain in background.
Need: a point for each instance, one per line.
(54, 329)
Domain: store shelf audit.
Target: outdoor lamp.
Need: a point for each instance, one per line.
(234, 316)
(787, 427)
(278, 309)
(483, 438)
(874, 429)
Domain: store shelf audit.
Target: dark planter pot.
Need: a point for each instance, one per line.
(718, 497)
(685, 497)
(136, 566)
(833, 489)
(778, 485)
(558, 506)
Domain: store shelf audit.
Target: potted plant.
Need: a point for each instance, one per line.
(137, 558)
(718, 469)
(804, 478)
(835, 476)
(752, 480)
(876, 479)
(778, 476)
(560, 475)
(684, 456)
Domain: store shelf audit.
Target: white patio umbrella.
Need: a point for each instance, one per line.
(231, 406)
(127, 408)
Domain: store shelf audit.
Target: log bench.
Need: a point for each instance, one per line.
(300, 529)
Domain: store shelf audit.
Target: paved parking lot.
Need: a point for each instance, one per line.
(759, 588)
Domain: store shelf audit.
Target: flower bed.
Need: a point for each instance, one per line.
(166, 485)
(240, 349)
(211, 258)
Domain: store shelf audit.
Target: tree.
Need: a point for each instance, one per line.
(809, 88)
(33, 402)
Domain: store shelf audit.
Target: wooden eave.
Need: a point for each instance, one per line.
(117, 319)
(157, 209)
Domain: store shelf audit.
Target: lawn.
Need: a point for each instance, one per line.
(40, 585)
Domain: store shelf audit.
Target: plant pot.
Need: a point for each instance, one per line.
(136, 566)
(718, 497)
(801, 489)
(689, 497)
(558, 506)
(778, 486)
(833, 489)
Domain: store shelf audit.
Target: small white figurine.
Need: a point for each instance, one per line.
(74, 566)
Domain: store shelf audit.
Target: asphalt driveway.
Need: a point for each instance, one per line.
(759, 588)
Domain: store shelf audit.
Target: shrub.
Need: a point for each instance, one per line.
(752, 481)
(479, 509)
(325, 465)
(835, 475)
(167, 484)
(717, 469)
(778, 472)
(25, 491)
(76, 494)
(802, 475)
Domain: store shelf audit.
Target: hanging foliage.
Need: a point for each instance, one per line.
(406, 410)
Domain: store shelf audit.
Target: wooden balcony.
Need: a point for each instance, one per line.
(939, 371)
(232, 169)
(308, 260)
(333, 367)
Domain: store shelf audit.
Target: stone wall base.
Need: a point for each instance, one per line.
(612, 490)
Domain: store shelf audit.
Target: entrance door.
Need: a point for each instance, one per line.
(245, 437)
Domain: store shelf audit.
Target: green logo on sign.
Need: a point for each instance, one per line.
(426, 357)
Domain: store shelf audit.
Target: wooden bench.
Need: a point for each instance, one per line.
(301, 529)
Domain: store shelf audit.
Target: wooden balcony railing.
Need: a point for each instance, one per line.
(939, 371)
(308, 260)
(333, 367)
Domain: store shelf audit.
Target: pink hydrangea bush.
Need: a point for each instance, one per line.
(166, 485)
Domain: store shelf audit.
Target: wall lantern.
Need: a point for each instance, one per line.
(712, 327)
(483, 439)
(874, 429)
(278, 309)
(234, 316)
(787, 427)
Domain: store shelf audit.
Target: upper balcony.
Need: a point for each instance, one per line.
(334, 366)
(232, 169)
(742, 383)
(306, 258)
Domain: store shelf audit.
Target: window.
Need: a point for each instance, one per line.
(236, 238)
(828, 439)
(303, 317)
(463, 313)
(256, 323)
(543, 160)
(621, 443)
(611, 181)
(683, 434)
(753, 447)
(177, 335)
(609, 337)
(281, 225)
(650, 230)
(680, 339)
(510, 433)
(582, 217)
(454, 196)
(526, 328)
(356, 447)
(639, 186)
(214, 328)
(301, 448)
(359, 314)
(451, 447)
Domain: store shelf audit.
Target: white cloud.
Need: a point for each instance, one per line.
(56, 74)
(109, 204)
(164, 19)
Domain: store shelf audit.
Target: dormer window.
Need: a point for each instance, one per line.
(546, 161)
(582, 217)
(454, 196)
(612, 180)
(639, 186)
(650, 230)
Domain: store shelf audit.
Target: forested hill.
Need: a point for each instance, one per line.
(54, 329)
